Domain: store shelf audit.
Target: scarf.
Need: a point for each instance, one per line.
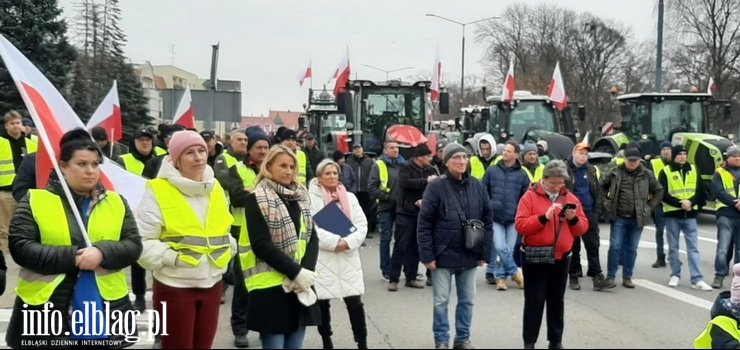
(341, 193)
(270, 196)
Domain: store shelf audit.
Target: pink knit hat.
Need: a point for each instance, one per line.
(735, 286)
(181, 140)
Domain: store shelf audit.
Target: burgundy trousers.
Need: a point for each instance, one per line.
(192, 315)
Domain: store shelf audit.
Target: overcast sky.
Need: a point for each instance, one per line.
(266, 43)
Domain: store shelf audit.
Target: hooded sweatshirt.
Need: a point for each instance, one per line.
(157, 256)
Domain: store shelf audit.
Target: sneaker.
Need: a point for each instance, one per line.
(627, 283)
(441, 345)
(518, 278)
(414, 284)
(429, 282)
(393, 287)
(673, 282)
(601, 283)
(660, 262)
(386, 277)
(140, 303)
(501, 284)
(490, 279)
(701, 285)
(717, 283)
(464, 345)
(241, 341)
(573, 283)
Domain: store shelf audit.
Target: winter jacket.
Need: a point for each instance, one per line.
(271, 310)
(593, 182)
(412, 182)
(505, 186)
(157, 256)
(212, 158)
(230, 180)
(315, 156)
(116, 150)
(440, 231)
(340, 274)
(25, 177)
(718, 188)
(347, 177)
(696, 199)
(28, 252)
(648, 194)
(362, 167)
(723, 307)
(538, 231)
(386, 200)
(152, 166)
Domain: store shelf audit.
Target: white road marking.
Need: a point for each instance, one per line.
(673, 293)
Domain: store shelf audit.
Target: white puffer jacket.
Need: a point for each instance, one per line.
(157, 256)
(339, 274)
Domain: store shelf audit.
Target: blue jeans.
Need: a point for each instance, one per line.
(674, 226)
(623, 241)
(385, 219)
(442, 284)
(659, 220)
(504, 240)
(284, 341)
(728, 231)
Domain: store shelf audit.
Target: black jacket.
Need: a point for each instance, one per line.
(412, 182)
(361, 167)
(28, 252)
(593, 183)
(25, 177)
(723, 307)
(151, 168)
(315, 156)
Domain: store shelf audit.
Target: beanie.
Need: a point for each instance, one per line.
(254, 134)
(665, 144)
(528, 147)
(181, 140)
(676, 150)
(735, 286)
(422, 150)
(337, 155)
(287, 134)
(733, 151)
(452, 149)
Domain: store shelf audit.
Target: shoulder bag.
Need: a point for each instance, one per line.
(474, 229)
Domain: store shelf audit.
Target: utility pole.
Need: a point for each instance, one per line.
(659, 56)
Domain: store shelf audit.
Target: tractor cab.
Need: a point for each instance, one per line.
(323, 120)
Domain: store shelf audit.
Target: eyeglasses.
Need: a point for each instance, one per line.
(460, 157)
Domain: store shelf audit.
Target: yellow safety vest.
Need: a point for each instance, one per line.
(244, 174)
(728, 182)
(257, 273)
(537, 173)
(476, 168)
(302, 164)
(383, 174)
(105, 224)
(132, 164)
(729, 325)
(7, 167)
(183, 230)
(159, 151)
(680, 188)
(658, 165)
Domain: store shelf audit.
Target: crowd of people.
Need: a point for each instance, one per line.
(239, 210)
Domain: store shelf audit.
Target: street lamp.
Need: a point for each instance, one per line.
(462, 69)
(387, 71)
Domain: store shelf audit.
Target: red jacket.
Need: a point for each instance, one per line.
(530, 215)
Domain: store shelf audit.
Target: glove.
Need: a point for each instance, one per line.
(305, 279)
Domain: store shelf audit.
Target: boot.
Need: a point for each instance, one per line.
(328, 344)
(362, 345)
(660, 262)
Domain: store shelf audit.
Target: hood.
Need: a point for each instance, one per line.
(313, 188)
(489, 139)
(723, 307)
(188, 187)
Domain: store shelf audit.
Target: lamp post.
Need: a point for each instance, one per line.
(387, 72)
(462, 68)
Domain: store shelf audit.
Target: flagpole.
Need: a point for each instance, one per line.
(311, 77)
(44, 137)
(112, 140)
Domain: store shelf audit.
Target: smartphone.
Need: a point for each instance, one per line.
(569, 206)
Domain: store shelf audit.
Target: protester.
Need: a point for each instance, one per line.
(339, 266)
(362, 165)
(110, 150)
(313, 151)
(442, 244)
(723, 332)
(346, 174)
(280, 256)
(49, 246)
(383, 187)
(725, 188)
(151, 168)
(185, 221)
(543, 220)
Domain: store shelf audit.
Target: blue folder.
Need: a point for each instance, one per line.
(332, 219)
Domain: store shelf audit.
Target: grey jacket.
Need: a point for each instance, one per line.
(648, 194)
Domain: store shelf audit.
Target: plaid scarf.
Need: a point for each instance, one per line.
(270, 196)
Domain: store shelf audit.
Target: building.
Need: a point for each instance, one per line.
(273, 120)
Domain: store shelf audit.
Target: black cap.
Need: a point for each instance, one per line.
(28, 122)
(98, 133)
(287, 134)
(309, 136)
(207, 135)
(171, 129)
(357, 145)
(143, 132)
(632, 153)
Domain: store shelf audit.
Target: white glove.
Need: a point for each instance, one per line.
(305, 279)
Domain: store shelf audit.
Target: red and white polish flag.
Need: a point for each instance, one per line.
(556, 91)
(507, 91)
(342, 75)
(108, 115)
(436, 77)
(712, 86)
(305, 74)
(185, 113)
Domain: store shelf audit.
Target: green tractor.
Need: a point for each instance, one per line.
(323, 119)
(678, 117)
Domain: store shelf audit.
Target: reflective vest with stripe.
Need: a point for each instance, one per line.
(729, 325)
(383, 174)
(7, 167)
(246, 175)
(105, 224)
(159, 151)
(681, 188)
(132, 164)
(728, 182)
(537, 173)
(658, 165)
(183, 230)
(476, 168)
(257, 273)
(302, 164)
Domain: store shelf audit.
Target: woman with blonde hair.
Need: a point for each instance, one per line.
(339, 266)
(278, 255)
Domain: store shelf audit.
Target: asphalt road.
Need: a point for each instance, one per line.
(652, 315)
